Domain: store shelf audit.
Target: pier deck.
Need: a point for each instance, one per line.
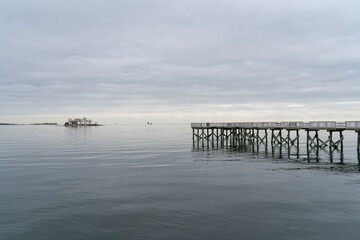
(237, 134)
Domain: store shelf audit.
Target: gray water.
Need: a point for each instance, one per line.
(148, 182)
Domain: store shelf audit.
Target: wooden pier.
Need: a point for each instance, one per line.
(279, 134)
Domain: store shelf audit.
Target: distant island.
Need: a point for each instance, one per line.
(80, 122)
(29, 124)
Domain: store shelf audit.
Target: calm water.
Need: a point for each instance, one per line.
(147, 182)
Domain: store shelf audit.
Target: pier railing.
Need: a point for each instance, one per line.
(324, 125)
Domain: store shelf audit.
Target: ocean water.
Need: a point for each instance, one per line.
(149, 182)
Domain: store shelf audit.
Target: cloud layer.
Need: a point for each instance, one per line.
(195, 59)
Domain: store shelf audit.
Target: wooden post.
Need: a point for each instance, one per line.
(358, 146)
(266, 142)
(245, 137)
(253, 140)
(241, 137)
(330, 146)
(230, 137)
(207, 137)
(272, 142)
(307, 144)
(317, 145)
(223, 132)
(233, 137)
(288, 137)
(237, 137)
(253, 136)
(226, 137)
(297, 153)
(358, 140)
(193, 136)
(221, 137)
(341, 147)
(202, 137)
(288, 142)
(198, 138)
(297, 139)
(257, 141)
(212, 137)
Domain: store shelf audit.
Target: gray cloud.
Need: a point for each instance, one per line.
(58, 57)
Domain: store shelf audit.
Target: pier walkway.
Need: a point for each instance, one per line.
(237, 134)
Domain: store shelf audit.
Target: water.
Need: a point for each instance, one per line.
(147, 182)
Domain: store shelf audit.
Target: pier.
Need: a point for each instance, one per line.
(277, 134)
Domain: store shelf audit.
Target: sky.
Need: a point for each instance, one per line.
(133, 61)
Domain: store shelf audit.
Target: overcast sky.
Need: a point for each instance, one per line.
(179, 61)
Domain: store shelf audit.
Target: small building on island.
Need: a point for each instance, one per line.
(76, 122)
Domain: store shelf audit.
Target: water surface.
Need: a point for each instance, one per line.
(147, 182)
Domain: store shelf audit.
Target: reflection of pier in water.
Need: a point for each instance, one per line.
(277, 135)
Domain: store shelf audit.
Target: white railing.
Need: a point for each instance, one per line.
(348, 125)
(322, 124)
(296, 125)
(340, 125)
(352, 125)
